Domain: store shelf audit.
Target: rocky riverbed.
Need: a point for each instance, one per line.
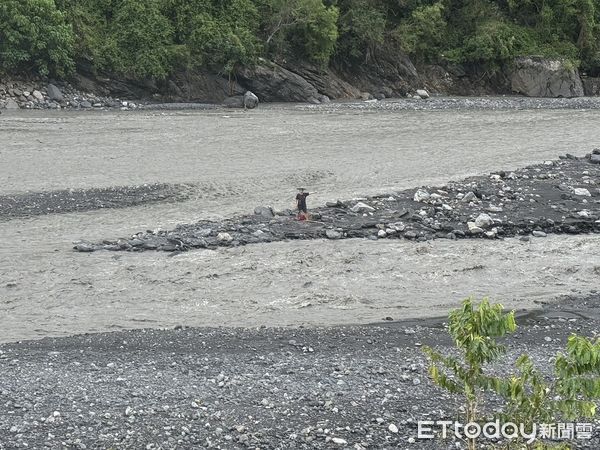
(561, 196)
(494, 103)
(359, 387)
(80, 200)
(43, 95)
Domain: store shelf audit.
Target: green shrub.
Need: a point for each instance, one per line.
(216, 34)
(362, 29)
(320, 32)
(34, 37)
(143, 40)
(529, 397)
(474, 331)
(423, 33)
(302, 29)
(495, 43)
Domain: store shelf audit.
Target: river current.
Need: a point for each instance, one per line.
(236, 160)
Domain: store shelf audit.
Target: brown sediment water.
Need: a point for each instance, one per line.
(237, 160)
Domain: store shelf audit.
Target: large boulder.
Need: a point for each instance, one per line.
(264, 211)
(389, 72)
(422, 93)
(250, 100)
(273, 83)
(54, 93)
(540, 77)
(202, 87)
(11, 104)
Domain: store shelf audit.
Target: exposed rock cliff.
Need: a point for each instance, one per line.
(540, 77)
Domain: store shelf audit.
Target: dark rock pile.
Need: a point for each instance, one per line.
(560, 196)
(41, 95)
(79, 200)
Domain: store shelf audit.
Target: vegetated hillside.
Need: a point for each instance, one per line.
(155, 39)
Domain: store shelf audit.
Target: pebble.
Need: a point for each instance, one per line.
(362, 207)
(484, 221)
(84, 247)
(393, 428)
(332, 234)
(474, 229)
(582, 192)
(469, 196)
(224, 237)
(421, 195)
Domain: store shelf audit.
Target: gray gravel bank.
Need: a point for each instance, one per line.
(80, 200)
(265, 388)
(461, 103)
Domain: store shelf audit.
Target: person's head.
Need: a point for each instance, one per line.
(301, 190)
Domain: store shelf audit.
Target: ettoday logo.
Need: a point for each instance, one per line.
(429, 429)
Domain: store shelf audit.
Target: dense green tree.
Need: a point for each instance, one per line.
(320, 32)
(154, 38)
(216, 34)
(34, 36)
(363, 25)
(90, 19)
(305, 29)
(127, 37)
(423, 33)
(143, 38)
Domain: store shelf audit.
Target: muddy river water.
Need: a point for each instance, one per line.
(236, 160)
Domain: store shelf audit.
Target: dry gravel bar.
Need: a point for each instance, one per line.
(561, 196)
(265, 388)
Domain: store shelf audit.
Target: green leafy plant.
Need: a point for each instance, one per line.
(35, 37)
(362, 27)
(306, 29)
(530, 398)
(474, 331)
(143, 38)
(215, 35)
(423, 33)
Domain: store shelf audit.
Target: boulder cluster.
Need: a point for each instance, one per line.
(41, 95)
